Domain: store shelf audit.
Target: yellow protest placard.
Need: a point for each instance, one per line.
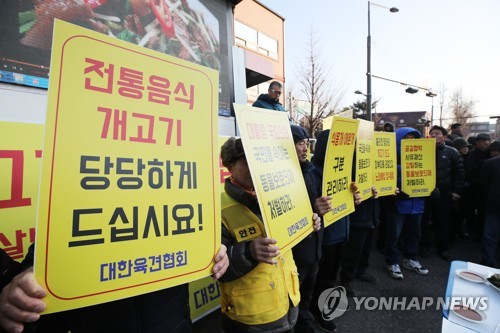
(204, 297)
(20, 162)
(385, 175)
(277, 178)
(337, 172)
(418, 166)
(364, 159)
(129, 198)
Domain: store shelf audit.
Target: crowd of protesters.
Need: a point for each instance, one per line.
(263, 290)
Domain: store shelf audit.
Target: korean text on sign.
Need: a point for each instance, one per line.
(276, 174)
(20, 162)
(418, 166)
(337, 172)
(364, 159)
(126, 181)
(385, 163)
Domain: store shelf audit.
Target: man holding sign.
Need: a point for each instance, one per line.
(449, 185)
(403, 218)
(307, 253)
(258, 272)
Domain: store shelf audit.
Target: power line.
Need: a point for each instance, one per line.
(403, 84)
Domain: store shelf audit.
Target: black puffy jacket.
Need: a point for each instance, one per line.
(450, 174)
(490, 181)
(308, 251)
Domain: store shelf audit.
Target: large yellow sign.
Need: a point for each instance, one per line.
(385, 163)
(337, 173)
(364, 159)
(20, 162)
(277, 178)
(129, 197)
(418, 166)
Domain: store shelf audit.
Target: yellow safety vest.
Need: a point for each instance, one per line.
(262, 295)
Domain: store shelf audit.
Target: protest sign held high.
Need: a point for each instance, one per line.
(127, 183)
(337, 173)
(276, 174)
(385, 163)
(364, 159)
(418, 166)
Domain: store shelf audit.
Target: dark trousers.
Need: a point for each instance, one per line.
(457, 219)
(329, 267)
(491, 236)
(439, 211)
(307, 279)
(475, 210)
(386, 204)
(401, 229)
(356, 253)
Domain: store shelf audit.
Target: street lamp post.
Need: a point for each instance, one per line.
(369, 61)
(431, 94)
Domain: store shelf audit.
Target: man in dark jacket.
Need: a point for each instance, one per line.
(449, 186)
(271, 100)
(490, 182)
(334, 237)
(458, 212)
(456, 131)
(307, 253)
(259, 291)
(473, 166)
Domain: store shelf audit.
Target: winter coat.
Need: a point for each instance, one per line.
(490, 181)
(253, 293)
(473, 166)
(366, 215)
(308, 250)
(265, 102)
(450, 174)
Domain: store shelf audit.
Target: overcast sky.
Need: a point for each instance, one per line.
(427, 43)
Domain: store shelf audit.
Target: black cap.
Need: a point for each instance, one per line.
(460, 143)
(298, 133)
(231, 150)
(495, 145)
(483, 136)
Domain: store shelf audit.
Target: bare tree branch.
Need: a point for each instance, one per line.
(314, 80)
(462, 109)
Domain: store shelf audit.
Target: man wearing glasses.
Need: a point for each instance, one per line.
(271, 100)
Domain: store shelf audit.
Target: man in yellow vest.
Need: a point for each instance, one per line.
(260, 290)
